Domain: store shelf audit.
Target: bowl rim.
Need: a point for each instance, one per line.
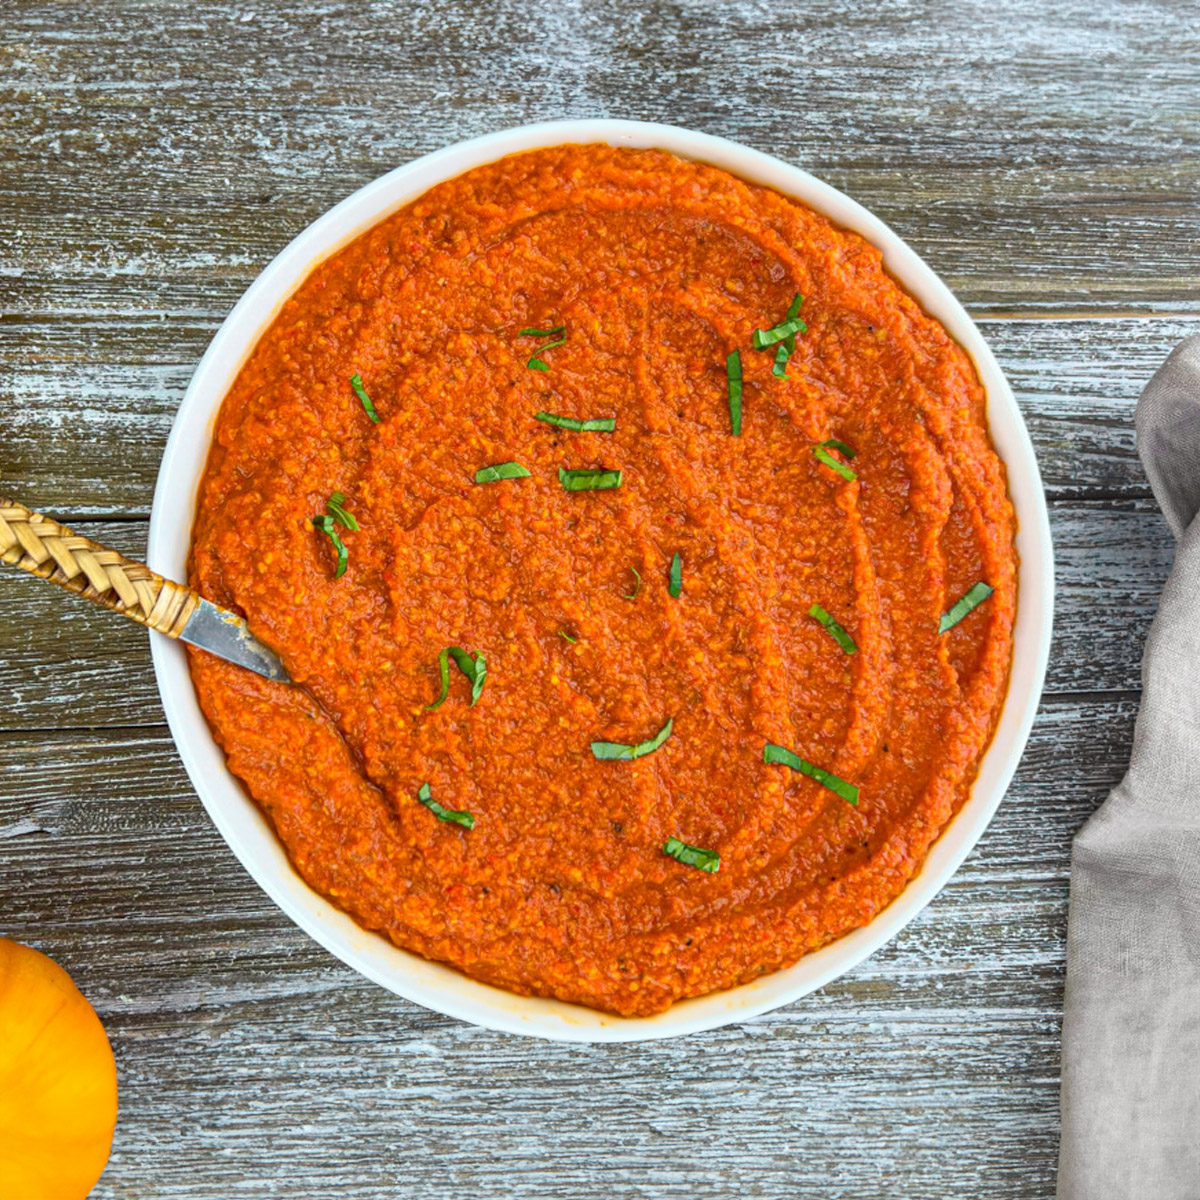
(247, 832)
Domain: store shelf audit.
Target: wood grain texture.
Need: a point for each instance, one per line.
(1044, 158)
(93, 402)
(57, 654)
(248, 1056)
(1038, 154)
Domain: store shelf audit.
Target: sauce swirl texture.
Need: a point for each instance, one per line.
(658, 268)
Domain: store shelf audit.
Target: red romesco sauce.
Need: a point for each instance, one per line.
(658, 268)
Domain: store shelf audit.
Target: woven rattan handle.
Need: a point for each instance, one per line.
(44, 547)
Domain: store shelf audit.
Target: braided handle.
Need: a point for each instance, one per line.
(44, 547)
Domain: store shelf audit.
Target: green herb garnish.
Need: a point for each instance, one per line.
(788, 346)
(508, 470)
(692, 856)
(823, 455)
(536, 363)
(733, 377)
(334, 505)
(585, 479)
(779, 754)
(361, 392)
(562, 633)
(444, 671)
(838, 634)
(326, 525)
(596, 425)
(444, 814)
(473, 667)
(971, 601)
(768, 337)
(675, 576)
(637, 587)
(619, 751)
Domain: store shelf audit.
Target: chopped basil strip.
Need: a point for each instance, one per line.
(971, 601)
(620, 752)
(562, 633)
(361, 392)
(768, 337)
(444, 814)
(596, 425)
(325, 524)
(586, 479)
(692, 856)
(838, 634)
(779, 754)
(554, 331)
(788, 346)
(733, 377)
(508, 470)
(637, 587)
(444, 669)
(473, 667)
(334, 506)
(840, 447)
(844, 471)
(675, 576)
(536, 363)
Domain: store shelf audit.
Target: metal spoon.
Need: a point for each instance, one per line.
(53, 552)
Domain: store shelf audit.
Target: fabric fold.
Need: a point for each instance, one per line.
(1131, 1021)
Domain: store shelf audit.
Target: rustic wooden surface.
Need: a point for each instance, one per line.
(1044, 156)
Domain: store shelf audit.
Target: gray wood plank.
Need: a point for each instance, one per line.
(228, 1022)
(1049, 159)
(65, 663)
(59, 657)
(1045, 159)
(121, 261)
(1078, 382)
(86, 404)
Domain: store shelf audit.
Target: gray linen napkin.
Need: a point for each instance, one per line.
(1131, 1027)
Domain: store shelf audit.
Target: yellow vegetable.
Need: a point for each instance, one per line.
(58, 1082)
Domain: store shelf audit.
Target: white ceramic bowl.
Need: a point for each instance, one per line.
(249, 835)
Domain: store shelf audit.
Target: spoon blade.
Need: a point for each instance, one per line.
(225, 634)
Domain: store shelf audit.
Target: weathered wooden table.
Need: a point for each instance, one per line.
(1043, 156)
